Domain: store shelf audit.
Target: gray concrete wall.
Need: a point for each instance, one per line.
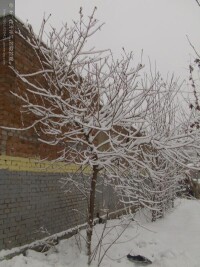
(29, 201)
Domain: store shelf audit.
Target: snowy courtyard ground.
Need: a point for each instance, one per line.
(170, 242)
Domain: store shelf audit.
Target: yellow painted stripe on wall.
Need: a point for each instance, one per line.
(36, 165)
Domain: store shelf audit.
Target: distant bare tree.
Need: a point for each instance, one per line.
(198, 2)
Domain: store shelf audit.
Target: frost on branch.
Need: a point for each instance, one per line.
(105, 119)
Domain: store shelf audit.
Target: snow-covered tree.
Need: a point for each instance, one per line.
(85, 102)
(163, 160)
(103, 117)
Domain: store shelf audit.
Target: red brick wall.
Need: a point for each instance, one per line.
(19, 143)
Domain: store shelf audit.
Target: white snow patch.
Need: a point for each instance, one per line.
(170, 242)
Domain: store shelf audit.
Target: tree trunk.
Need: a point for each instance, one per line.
(91, 206)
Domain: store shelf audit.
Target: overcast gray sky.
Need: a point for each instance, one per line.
(159, 27)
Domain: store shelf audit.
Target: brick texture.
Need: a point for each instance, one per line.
(31, 201)
(12, 142)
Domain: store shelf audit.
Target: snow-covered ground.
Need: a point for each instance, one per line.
(170, 242)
